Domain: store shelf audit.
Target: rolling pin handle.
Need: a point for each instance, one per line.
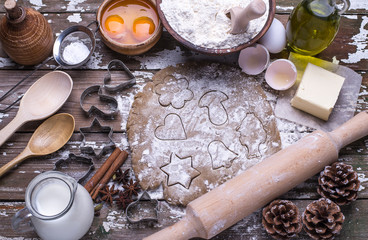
(352, 130)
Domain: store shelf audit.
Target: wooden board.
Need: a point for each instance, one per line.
(349, 48)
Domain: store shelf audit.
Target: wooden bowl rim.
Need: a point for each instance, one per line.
(215, 51)
(150, 40)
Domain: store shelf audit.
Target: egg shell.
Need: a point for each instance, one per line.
(275, 37)
(281, 74)
(254, 59)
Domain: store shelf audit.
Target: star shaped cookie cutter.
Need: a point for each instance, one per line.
(101, 129)
(62, 164)
(145, 209)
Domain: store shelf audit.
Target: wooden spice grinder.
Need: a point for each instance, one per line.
(227, 204)
(25, 34)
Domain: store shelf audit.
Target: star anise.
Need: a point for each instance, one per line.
(123, 200)
(131, 188)
(108, 193)
(122, 177)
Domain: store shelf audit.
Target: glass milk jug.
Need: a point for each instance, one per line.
(313, 25)
(57, 208)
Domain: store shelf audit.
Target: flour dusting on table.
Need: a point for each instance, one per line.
(204, 23)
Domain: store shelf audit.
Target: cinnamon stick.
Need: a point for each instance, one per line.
(91, 184)
(110, 172)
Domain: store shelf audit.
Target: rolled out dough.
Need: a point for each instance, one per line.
(196, 126)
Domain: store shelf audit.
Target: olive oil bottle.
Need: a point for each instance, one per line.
(313, 25)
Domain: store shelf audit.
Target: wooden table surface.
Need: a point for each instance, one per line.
(349, 47)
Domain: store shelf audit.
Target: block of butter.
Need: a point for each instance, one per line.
(318, 91)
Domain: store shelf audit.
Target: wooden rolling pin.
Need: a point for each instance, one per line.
(237, 198)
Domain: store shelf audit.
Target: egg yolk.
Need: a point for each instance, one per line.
(114, 25)
(143, 27)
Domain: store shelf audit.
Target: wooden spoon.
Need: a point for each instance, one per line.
(41, 100)
(49, 137)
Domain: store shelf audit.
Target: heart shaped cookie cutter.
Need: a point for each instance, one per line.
(119, 66)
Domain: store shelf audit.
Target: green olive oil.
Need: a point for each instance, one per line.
(312, 26)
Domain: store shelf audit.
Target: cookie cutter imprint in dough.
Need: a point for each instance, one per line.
(221, 155)
(172, 129)
(252, 121)
(213, 101)
(174, 91)
(180, 170)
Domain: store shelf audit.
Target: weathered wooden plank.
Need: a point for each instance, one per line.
(349, 47)
(356, 6)
(13, 184)
(282, 6)
(84, 79)
(111, 224)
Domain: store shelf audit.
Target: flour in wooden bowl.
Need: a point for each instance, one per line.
(205, 24)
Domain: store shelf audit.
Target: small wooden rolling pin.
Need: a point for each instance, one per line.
(227, 204)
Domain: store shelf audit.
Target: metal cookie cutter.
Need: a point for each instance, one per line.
(114, 64)
(101, 129)
(118, 65)
(144, 209)
(112, 102)
(73, 164)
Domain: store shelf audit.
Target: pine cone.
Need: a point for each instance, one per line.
(339, 182)
(323, 219)
(281, 219)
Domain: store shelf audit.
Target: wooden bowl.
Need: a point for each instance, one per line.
(214, 51)
(128, 49)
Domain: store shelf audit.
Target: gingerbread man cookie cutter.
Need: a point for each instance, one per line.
(94, 110)
(110, 87)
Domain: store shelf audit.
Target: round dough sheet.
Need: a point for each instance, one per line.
(196, 126)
